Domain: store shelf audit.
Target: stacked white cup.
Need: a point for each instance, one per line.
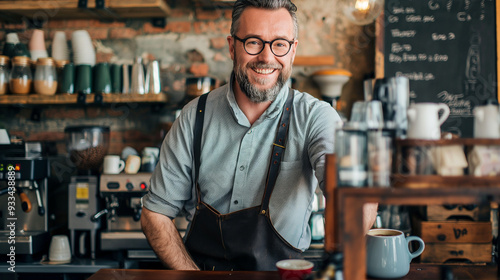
(12, 38)
(60, 49)
(83, 49)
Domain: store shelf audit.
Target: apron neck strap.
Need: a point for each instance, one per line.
(277, 151)
(198, 130)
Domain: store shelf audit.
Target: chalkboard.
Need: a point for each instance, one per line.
(448, 50)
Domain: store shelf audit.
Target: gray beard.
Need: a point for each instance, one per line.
(252, 92)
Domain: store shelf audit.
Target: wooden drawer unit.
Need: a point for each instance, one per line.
(454, 252)
(455, 232)
(457, 212)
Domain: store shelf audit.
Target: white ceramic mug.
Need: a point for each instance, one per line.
(113, 164)
(486, 121)
(424, 121)
(133, 164)
(59, 250)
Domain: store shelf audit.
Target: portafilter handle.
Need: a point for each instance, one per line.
(25, 202)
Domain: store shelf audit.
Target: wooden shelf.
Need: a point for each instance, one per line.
(447, 142)
(324, 60)
(36, 99)
(214, 3)
(68, 9)
(437, 181)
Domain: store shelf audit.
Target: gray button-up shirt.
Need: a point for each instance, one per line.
(235, 158)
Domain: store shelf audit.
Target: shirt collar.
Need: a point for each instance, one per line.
(273, 111)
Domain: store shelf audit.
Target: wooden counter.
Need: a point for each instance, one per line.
(417, 272)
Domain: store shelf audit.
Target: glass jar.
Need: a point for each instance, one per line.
(351, 151)
(45, 76)
(20, 77)
(4, 74)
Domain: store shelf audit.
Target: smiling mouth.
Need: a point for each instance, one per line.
(265, 71)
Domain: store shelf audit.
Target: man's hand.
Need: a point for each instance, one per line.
(165, 240)
(369, 215)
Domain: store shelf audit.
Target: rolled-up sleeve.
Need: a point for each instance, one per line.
(171, 182)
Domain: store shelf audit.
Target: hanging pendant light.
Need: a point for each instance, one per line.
(361, 12)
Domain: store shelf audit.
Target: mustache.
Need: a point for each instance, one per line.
(264, 65)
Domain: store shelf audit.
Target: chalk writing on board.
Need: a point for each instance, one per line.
(447, 48)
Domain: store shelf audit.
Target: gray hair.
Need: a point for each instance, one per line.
(241, 5)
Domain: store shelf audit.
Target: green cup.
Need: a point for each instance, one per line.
(102, 78)
(83, 83)
(9, 49)
(21, 49)
(116, 78)
(67, 79)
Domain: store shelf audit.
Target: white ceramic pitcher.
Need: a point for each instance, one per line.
(486, 121)
(424, 121)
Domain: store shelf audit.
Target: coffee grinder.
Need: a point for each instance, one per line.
(87, 146)
(23, 199)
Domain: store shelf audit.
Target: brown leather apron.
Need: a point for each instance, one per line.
(245, 239)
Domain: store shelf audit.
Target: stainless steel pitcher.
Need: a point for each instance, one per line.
(153, 84)
(137, 85)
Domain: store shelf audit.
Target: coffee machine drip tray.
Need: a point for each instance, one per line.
(123, 240)
(27, 243)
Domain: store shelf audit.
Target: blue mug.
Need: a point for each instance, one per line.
(387, 253)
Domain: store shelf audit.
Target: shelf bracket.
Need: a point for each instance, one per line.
(159, 22)
(35, 114)
(82, 4)
(81, 99)
(98, 98)
(101, 8)
(100, 4)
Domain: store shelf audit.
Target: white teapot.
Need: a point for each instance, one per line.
(486, 121)
(424, 121)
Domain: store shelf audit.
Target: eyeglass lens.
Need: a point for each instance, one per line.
(255, 45)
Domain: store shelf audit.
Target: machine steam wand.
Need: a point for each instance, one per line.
(41, 208)
(111, 210)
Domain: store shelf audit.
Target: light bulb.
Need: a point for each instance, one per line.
(361, 12)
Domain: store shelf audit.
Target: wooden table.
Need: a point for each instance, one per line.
(417, 272)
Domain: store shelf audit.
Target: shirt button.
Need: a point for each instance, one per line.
(236, 202)
(242, 168)
(250, 131)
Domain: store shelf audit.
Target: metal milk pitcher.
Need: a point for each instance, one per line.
(137, 77)
(153, 84)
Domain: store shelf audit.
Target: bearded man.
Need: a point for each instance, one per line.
(244, 161)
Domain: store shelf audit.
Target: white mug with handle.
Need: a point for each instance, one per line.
(113, 164)
(486, 121)
(424, 121)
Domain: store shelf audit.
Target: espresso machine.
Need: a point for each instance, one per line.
(122, 194)
(23, 199)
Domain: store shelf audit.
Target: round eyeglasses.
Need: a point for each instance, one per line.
(255, 45)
